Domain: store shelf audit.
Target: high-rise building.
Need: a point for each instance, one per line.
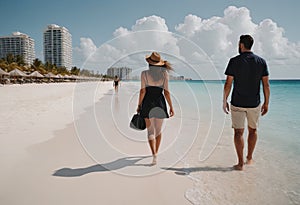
(123, 73)
(18, 44)
(58, 46)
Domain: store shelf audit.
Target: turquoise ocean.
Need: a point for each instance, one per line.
(275, 177)
(197, 142)
(279, 129)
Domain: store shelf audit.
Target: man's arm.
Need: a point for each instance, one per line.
(227, 89)
(266, 90)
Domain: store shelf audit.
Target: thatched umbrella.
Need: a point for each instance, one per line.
(17, 73)
(2, 72)
(58, 78)
(50, 75)
(36, 74)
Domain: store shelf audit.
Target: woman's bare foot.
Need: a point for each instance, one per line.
(238, 167)
(249, 162)
(154, 161)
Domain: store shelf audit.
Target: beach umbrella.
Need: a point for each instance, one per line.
(36, 74)
(73, 76)
(2, 72)
(50, 75)
(17, 73)
(59, 76)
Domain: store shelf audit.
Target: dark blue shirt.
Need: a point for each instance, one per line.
(247, 70)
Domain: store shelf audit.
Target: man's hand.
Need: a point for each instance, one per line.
(226, 107)
(227, 88)
(264, 109)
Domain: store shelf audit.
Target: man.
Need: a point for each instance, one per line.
(246, 71)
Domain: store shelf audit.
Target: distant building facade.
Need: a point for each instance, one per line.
(18, 44)
(123, 73)
(181, 77)
(58, 46)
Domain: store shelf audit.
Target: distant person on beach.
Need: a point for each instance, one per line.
(246, 71)
(152, 99)
(116, 83)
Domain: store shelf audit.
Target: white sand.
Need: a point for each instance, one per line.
(43, 162)
(71, 144)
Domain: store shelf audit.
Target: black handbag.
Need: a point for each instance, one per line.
(137, 122)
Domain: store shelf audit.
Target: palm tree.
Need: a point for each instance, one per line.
(37, 63)
(10, 58)
(50, 67)
(75, 70)
(19, 59)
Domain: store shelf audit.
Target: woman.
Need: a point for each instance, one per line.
(116, 83)
(152, 99)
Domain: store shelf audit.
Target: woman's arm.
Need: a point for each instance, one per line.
(168, 98)
(167, 94)
(142, 91)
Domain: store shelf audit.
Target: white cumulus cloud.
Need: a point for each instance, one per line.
(129, 46)
(86, 47)
(205, 45)
(218, 37)
(150, 23)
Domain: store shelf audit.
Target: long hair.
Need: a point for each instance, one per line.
(167, 65)
(157, 72)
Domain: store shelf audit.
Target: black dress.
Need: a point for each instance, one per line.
(154, 103)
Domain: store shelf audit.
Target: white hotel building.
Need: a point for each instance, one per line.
(58, 46)
(18, 44)
(123, 73)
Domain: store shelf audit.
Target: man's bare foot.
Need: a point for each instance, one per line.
(249, 162)
(238, 167)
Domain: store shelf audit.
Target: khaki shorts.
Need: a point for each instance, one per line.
(239, 114)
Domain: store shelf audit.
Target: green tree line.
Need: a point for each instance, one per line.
(11, 62)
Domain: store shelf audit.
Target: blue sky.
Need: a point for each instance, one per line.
(98, 20)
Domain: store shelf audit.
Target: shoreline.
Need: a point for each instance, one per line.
(71, 144)
(44, 161)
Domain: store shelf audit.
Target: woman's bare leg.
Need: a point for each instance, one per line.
(157, 128)
(151, 138)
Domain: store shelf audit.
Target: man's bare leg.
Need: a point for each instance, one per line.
(239, 146)
(252, 138)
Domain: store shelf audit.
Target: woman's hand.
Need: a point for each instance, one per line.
(171, 112)
(138, 109)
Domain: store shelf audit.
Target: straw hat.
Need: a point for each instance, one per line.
(155, 59)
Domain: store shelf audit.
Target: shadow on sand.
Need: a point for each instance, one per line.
(115, 165)
(187, 171)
